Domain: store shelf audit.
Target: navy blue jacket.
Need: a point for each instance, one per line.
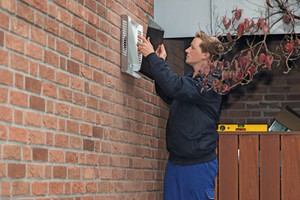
(191, 131)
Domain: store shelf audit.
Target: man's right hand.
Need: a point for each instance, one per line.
(161, 52)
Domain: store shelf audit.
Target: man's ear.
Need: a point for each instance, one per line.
(206, 55)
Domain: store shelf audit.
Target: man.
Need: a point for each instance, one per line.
(191, 131)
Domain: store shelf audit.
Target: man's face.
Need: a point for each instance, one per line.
(194, 53)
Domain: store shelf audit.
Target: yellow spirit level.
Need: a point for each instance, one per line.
(242, 127)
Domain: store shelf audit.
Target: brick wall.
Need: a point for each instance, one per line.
(260, 101)
(72, 126)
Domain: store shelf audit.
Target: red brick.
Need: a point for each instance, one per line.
(5, 188)
(99, 77)
(33, 85)
(67, 34)
(3, 60)
(97, 132)
(73, 67)
(18, 98)
(72, 127)
(102, 11)
(92, 102)
(50, 105)
(19, 27)
(14, 43)
(93, 47)
(2, 170)
(76, 112)
(65, 94)
(91, 4)
(62, 47)
(49, 138)
(51, 9)
(49, 90)
(19, 81)
(40, 5)
(102, 38)
(35, 171)
(34, 51)
(39, 188)
(80, 40)
(26, 154)
(8, 5)
(4, 21)
(17, 134)
(1, 38)
(86, 72)
(59, 172)
(48, 171)
(85, 129)
(105, 26)
(38, 36)
(16, 170)
(71, 157)
(93, 19)
(61, 109)
(11, 152)
(19, 63)
(6, 77)
(61, 140)
(3, 132)
(62, 78)
(62, 3)
(89, 116)
(90, 31)
(77, 54)
(37, 103)
(81, 12)
(56, 188)
(75, 142)
(49, 122)
(20, 188)
(77, 24)
(91, 187)
(25, 12)
(40, 154)
(51, 58)
(51, 41)
(73, 172)
(77, 187)
(36, 137)
(76, 83)
(88, 144)
(39, 19)
(57, 156)
(33, 68)
(63, 16)
(92, 159)
(112, 56)
(51, 26)
(47, 72)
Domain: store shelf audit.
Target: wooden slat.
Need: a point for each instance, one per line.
(248, 168)
(228, 167)
(270, 167)
(290, 163)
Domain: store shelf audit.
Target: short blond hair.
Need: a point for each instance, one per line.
(211, 45)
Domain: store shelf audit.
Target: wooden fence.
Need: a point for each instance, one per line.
(259, 166)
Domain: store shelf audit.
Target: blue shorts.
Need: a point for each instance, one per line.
(192, 182)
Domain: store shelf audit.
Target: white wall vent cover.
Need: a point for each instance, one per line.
(131, 60)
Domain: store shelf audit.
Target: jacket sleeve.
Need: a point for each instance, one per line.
(162, 95)
(175, 87)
